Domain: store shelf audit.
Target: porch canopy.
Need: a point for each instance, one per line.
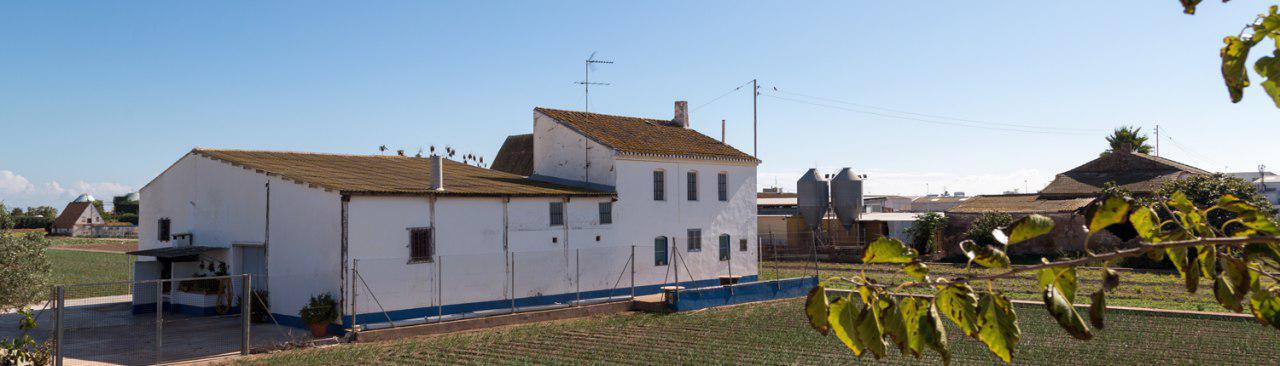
(176, 254)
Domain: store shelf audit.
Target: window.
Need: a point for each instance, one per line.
(695, 240)
(606, 213)
(693, 185)
(722, 186)
(557, 213)
(742, 245)
(163, 230)
(660, 251)
(420, 245)
(725, 247)
(659, 184)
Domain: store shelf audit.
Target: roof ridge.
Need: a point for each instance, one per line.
(204, 149)
(604, 115)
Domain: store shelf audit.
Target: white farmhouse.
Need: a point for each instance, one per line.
(431, 236)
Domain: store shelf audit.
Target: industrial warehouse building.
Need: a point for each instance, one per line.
(605, 195)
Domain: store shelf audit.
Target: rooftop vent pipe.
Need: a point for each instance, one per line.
(437, 173)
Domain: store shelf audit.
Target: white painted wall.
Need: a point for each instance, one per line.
(641, 218)
(224, 205)
(563, 153)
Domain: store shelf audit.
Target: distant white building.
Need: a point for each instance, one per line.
(79, 218)
(1268, 184)
(600, 186)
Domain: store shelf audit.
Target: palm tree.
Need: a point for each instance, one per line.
(1128, 139)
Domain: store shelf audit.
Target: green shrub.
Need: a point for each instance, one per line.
(980, 230)
(321, 309)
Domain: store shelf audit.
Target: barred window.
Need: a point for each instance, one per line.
(722, 186)
(606, 213)
(695, 240)
(421, 247)
(742, 245)
(659, 185)
(693, 185)
(660, 254)
(557, 213)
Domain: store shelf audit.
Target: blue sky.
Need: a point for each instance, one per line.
(100, 97)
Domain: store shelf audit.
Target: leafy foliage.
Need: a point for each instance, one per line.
(1128, 139)
(1235, 54)
(926, 231)
(321, 309)
(24, 274)
(979, 231)
(24, 350)
(1178, 227)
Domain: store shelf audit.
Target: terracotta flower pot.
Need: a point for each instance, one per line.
(319, 330)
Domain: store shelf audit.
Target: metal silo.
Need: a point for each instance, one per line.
(812, 191)
(846, 197)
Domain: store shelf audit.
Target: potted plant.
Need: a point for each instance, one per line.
(319, 312)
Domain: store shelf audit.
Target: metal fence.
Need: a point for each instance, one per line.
(393, 292)
(157, 321)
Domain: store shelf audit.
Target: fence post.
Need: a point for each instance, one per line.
(633, 271)
(247, 291)
(60, 295)
(159, 321)
(730, 257)
(577, 276)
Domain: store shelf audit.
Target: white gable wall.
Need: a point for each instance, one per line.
(561, 152)
(224, 205)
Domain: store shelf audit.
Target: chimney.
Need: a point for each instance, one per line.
(437, 173)
(682, 114)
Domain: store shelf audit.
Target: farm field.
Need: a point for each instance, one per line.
(1145, 289)
(72, 266)
(777, 333)
(102, 244)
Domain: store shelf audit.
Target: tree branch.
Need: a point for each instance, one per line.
(1125, 253)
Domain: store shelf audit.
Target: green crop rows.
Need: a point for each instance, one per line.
(777, 333)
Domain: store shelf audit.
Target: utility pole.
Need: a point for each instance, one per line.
(586, 80)
(722, 131)
(755, 140)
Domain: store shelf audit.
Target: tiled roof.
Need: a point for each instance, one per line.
(1136, 172)
(1019, 203)
(378, 174)
(643, 136)
(69, 215)
(515, 156)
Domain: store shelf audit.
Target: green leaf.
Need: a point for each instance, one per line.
(1265, 303)
(1110, 279)
(960, 304)
(1207, 255)
(815, 307)
(1180, 202)
(1232, 285)
(1111, 211)
(888, 250)
(1269, 68)
(1192, 274)
(1189, 6)
(1179, 258)
(1029, 227)
(1262, 249)
(1234, 54)
(893, 324)
(984, 255)
(868, 332)
(1062, 310)
(841, 320)
(998, 325)
(1146, 223)
(924, 327)
(1063, 277)
(917, 270)
(1097, 308)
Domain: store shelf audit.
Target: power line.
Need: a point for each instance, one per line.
(739, 87)
(1196, 155)
(925, 120)
(1069, 129)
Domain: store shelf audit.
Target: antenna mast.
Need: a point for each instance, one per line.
(586, 80)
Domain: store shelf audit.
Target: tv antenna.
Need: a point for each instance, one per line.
(586, 80)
